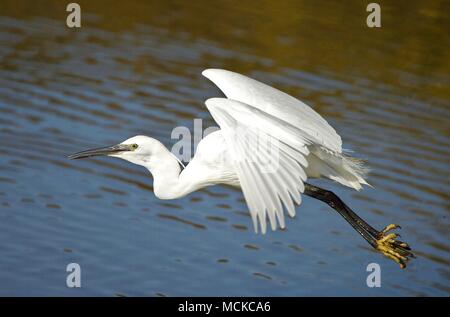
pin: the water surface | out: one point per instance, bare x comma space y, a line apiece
134, 68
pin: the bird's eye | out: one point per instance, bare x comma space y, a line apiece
134, 146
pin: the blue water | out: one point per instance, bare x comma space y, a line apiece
63, 91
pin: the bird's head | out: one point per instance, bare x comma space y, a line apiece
139, 150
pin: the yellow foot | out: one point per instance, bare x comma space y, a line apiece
390, 227
398, 251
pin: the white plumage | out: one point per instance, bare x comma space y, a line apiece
307, 145
268, 144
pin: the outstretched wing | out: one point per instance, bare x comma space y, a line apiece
268, 155
278, 104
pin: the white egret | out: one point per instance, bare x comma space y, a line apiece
260, 124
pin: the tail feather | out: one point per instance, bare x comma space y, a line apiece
342, 168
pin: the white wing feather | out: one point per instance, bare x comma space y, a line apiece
267, 184
254, 109
276, 103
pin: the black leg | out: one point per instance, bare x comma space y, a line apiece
337, 204
396, 250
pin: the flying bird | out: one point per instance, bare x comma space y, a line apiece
269, 143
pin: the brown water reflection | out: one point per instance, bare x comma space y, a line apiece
134, 67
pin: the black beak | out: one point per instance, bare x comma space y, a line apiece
101, 151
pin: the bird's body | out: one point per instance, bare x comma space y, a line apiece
211, 166
269, 144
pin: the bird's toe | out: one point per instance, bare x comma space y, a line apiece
398, 251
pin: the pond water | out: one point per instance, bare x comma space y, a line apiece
135, 68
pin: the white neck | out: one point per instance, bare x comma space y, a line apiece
165, 169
